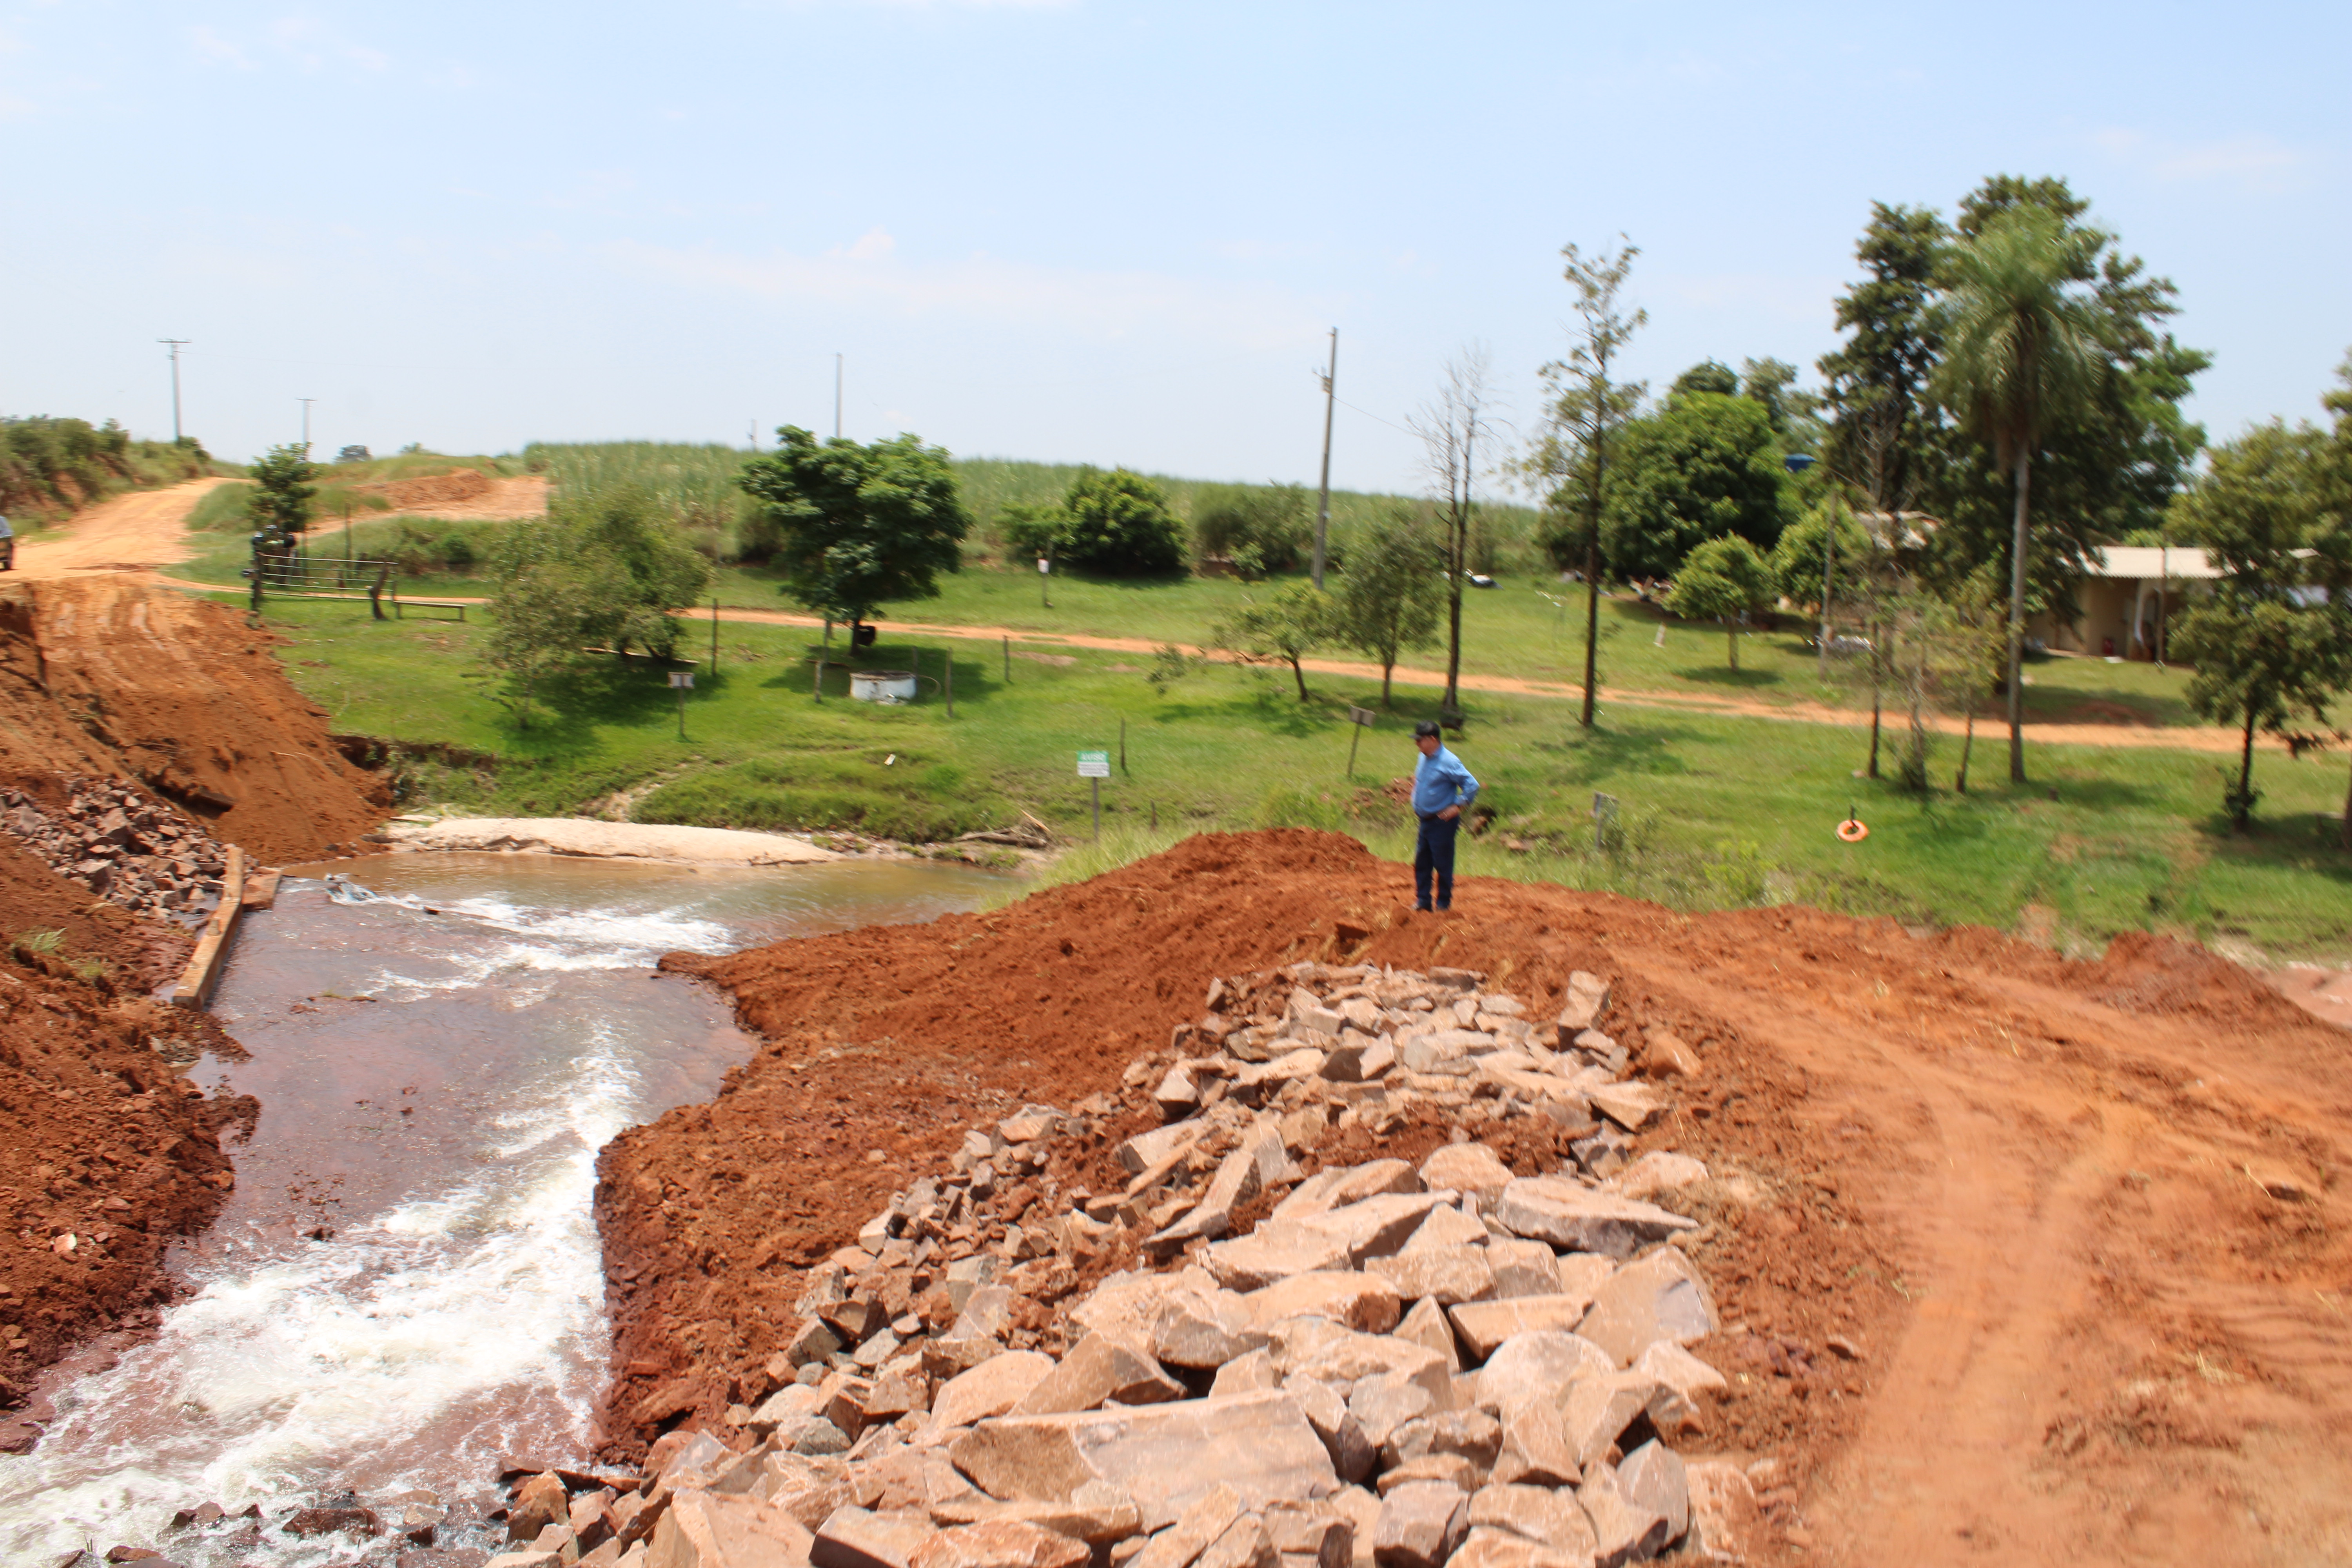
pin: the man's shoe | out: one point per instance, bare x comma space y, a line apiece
1421, 909
1444, 907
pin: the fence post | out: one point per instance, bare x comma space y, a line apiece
947, 660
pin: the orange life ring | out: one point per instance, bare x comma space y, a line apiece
1852, 831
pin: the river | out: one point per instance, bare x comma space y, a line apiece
406, 1285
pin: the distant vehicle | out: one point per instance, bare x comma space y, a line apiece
352, 455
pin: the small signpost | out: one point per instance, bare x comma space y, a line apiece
1094, 767
681, 681
1604, 817
1362, 720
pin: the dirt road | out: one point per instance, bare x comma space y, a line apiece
136, 532
2077, 1221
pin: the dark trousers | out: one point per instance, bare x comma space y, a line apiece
1435, 853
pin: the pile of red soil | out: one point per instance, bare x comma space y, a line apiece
432, 490
100, 1138
111, 679
2012, 1252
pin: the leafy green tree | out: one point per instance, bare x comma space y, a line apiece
2267, 656
1807, 553
2331, 541
1583, 410
1261, 528
282, 488
1041, 532
1704, 465
641, 565
1794, 415
861, 526
2023, 353
1722, 579
540, 606
1977, 649
1299, 619
1119, 523
1878, 380
1707, 375
1393, 592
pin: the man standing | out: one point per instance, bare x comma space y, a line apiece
1441, 789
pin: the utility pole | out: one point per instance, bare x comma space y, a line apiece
306, 402
177, 344
836, 397
1323, 496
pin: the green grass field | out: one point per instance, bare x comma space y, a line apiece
1714, 812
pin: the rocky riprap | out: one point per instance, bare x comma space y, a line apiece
1383, 1364
123, 845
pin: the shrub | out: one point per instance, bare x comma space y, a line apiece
1119, 523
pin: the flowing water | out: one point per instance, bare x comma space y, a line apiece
406, 1285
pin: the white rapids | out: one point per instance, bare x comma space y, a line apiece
393, 1301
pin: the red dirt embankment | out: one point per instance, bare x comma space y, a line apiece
2079, 1219
107, 677
99, 1139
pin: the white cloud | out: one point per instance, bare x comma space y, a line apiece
869, 275
2254, 162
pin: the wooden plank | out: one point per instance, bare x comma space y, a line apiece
261, 888
204, 969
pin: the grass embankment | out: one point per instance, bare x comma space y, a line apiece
52, 467
1715, 812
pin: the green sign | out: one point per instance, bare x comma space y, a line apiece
1093, 765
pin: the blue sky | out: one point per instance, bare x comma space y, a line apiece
1080, 230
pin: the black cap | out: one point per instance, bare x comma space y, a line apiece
1425, 729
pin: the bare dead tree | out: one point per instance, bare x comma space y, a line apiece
1456, 428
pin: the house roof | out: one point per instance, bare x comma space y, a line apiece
2178, 563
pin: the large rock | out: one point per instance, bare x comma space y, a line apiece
1343, 1358
1244, 1544
1598, 1409
1099, 1369
1420, 1524
1587, 999
1205, 1328
541, 1501
1235, 1183
702, 1529
1535, 1448
1275, 1250
1147, 1151
1523, 1268
1472, 1434
1381, 1404
1368, 1302
1661, 1299
1163, 1455
1536, 1514
1344, 1184
1726, 1524
1539, 1365
1205, 1517
1485, 1325
992, 1388
1624, 1530
1488, 1547
1632, 1106
1573, 1218
1652, 1476
1446, 1274
1127, 1306
1353, 1452
1000, 1544
1682, 1378
1446, 1227
1426, 1326
1466, 1168
854, 1538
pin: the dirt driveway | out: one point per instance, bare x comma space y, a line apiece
136, 532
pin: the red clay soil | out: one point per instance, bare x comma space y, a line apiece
100, 1138
111, 677
2075, 1221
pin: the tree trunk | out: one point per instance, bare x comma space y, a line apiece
1967, 743
1591, 620
1877, 671
1300, 676
2243, 811
1387, 670
1455, 531
1731, 629
2346, 832
2017, 623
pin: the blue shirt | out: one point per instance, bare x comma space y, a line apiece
1441, 781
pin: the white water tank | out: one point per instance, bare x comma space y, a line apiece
882, 685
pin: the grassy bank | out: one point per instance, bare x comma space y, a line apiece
1714, 812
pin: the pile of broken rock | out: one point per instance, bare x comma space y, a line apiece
121, 844
1397, 1366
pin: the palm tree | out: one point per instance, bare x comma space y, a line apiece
2022, 352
